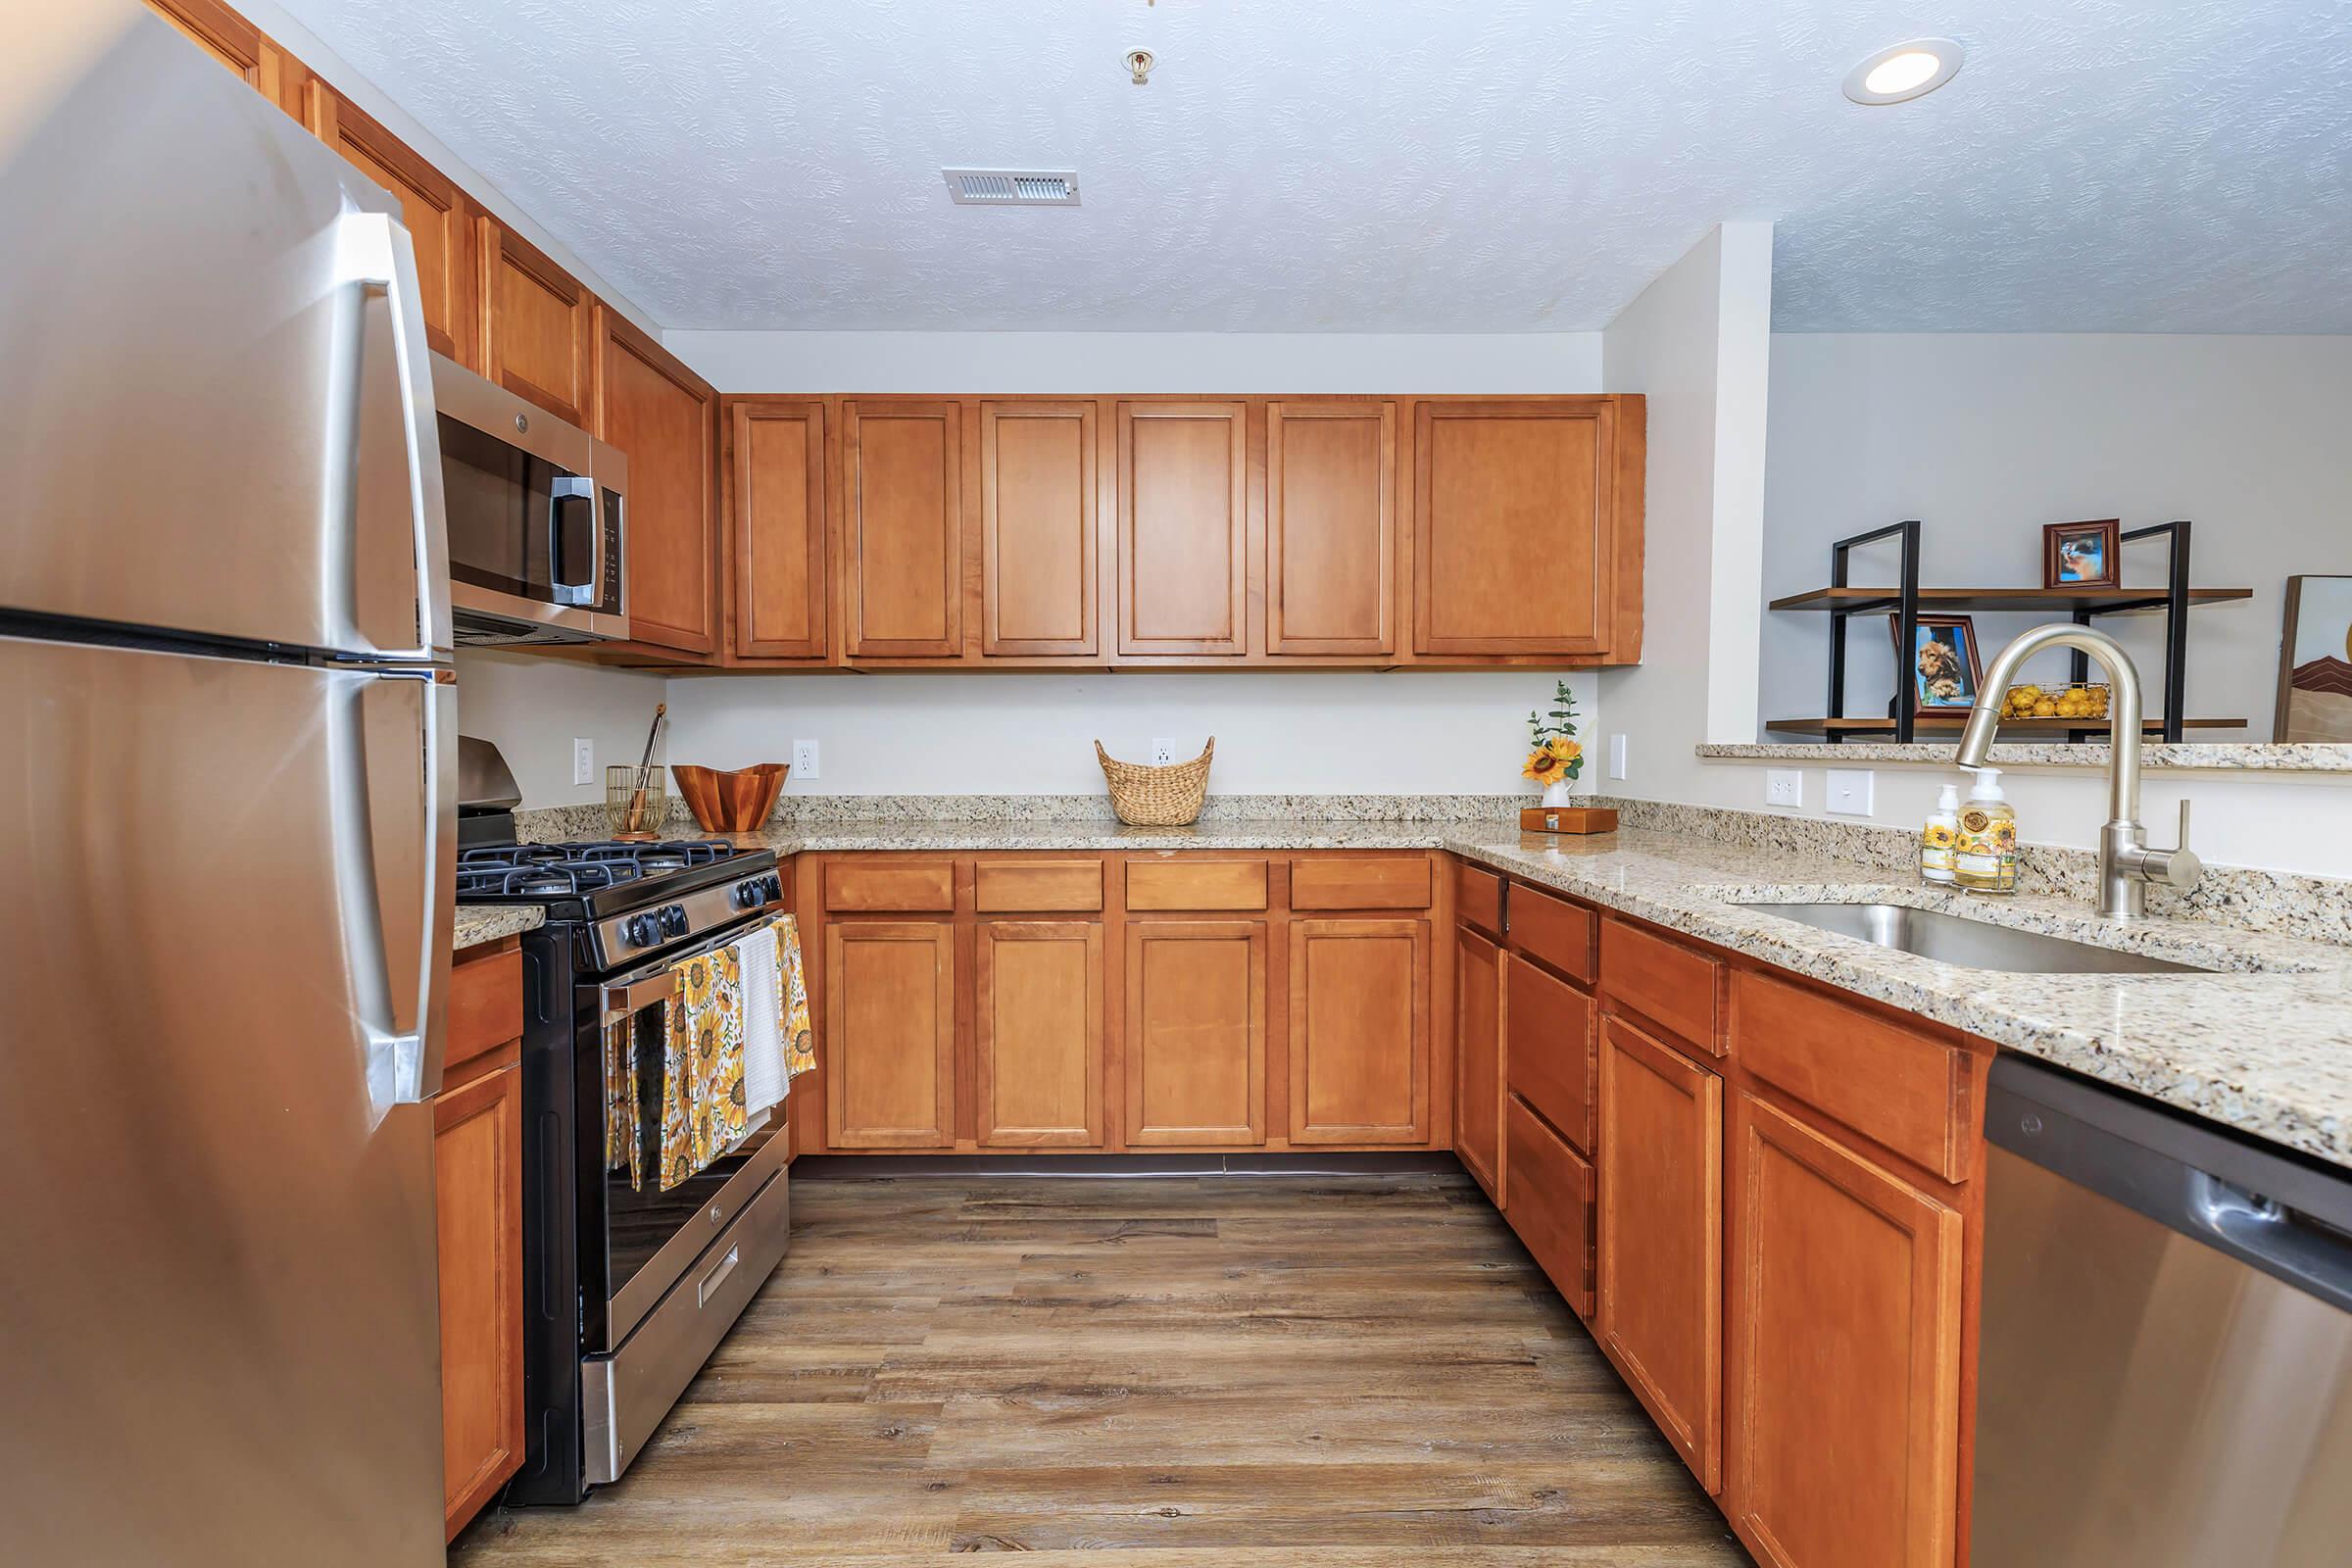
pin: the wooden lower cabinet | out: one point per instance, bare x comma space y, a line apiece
1552, 1203
477, 1197
1037, 1033
1845, 1389
1659, 1305
890, 1034
1478, 1059
1196, 1044
1359, 1030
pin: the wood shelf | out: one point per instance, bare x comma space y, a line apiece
2011, 729
2097, 600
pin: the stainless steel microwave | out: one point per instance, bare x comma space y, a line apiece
538, 518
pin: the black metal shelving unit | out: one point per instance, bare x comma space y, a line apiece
1844, 602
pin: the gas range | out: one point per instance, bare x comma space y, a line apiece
624, 900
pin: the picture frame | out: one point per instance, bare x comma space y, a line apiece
2082, 555
1957, 674
2315, 663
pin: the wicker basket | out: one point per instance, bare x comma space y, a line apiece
1158, 797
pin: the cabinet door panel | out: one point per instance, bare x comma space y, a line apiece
1196, 1053
439, 219
664, 419
240, 46
1513, 543
536, 329
779, 530
1552, 1203
1359, 1030
1037, 528
1846, 1353
901, 537
1183, 471
1660, 1300
1551, 1029
1039, 1028
890, 1034
477, 1188
1478, 1059
1331, 527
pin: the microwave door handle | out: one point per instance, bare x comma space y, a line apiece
377, 264
580, 488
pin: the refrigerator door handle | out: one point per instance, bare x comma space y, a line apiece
380, 272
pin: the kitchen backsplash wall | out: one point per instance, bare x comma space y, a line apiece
532, 707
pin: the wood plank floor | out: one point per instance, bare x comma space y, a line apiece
1180, 1372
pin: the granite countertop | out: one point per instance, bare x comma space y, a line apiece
2265, 1048
488, 922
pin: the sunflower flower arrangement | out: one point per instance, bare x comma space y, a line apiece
1554, 757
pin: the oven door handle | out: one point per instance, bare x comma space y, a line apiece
620, 1001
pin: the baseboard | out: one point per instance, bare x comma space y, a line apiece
1293, 1162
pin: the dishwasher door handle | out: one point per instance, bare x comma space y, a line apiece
2271, 1236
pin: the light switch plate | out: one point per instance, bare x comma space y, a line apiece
1851, 790
803, 758
584, 761
1784, 786
1616, 757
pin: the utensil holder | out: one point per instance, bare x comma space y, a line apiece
635, 801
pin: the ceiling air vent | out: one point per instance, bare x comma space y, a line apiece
1012, 187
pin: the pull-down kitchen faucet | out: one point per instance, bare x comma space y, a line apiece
2127, 864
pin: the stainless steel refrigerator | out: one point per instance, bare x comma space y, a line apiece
227, 741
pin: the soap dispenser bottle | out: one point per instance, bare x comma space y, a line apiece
1984, 852
1938, 838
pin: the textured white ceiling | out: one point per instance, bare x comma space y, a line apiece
1403, 165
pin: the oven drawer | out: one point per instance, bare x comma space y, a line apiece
626, 1394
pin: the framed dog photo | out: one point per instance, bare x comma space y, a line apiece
1945, 669
2082, 555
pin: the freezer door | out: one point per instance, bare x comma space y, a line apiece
227, 881
212, 354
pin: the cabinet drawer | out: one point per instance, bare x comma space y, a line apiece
485, 1008
1195, 884
926, 888
1551, 1052
1665, 982
1478, 898
1551, 1205
1398, 884
1054, 886
1557, 932
1896, 1085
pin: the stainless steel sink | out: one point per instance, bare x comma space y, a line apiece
1972, 944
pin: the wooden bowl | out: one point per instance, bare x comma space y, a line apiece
730, 801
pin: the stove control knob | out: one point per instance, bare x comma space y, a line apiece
673, 920
749, 894
773, 886
640, 931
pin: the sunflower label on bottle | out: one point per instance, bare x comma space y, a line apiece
1984, 850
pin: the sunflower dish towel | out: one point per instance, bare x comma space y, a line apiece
703, 1111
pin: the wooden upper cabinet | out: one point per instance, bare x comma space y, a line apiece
1037, 528
1331, 527
1196, 1047
1660, 1301
537, 326
1359, 1030
1515, 528
1037, 1033
242, 47
439, 219
890, 1034
1844, 1354
1183, 528
664, 419
777, 529
902, 528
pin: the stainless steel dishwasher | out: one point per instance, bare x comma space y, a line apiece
2166, 1367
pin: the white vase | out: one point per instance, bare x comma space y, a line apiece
1557, 793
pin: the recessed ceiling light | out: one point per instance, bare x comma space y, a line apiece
1905, 71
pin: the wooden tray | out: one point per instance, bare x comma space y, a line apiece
1568, 819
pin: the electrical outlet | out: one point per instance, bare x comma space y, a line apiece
1163, 752
1616, 757
1784, 786
803, 758
583, 762
1850, 790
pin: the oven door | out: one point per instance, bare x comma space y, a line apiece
636, 1240
535, 518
